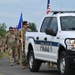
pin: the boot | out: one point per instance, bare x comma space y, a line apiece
11, 64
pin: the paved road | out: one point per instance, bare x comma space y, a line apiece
6, 69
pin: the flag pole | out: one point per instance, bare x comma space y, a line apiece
48, 7
22, 37
22, 32
20, 27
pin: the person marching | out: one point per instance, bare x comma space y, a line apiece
21, 35
10, 41
1, 46
16, 52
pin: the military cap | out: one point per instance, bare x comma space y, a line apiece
25, 23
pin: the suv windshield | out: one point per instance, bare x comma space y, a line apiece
67, 23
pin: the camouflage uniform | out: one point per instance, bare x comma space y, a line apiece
29, 30
22, 32
51, 65
16, 52
1, 47
11, 40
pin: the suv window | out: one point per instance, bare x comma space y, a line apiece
45, 24
67, 23
53, 24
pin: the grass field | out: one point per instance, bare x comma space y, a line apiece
5, 55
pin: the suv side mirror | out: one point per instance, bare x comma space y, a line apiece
50, 32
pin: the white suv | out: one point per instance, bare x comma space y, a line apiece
54, 42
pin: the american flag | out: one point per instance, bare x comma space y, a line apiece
48, 7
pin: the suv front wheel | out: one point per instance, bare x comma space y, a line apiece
64, 65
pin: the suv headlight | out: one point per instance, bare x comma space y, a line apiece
70, 44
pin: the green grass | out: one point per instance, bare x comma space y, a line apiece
1, 74
5, 55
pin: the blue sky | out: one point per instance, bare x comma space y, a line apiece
33, 10
10, 10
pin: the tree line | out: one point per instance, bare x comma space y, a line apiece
3, 27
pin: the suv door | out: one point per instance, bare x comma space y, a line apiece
52, 39
48, 44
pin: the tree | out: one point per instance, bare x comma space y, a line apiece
2, 29
33, 26
3, 26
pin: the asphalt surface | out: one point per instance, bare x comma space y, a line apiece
6, 69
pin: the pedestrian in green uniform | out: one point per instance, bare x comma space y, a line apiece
16, 52
1, 46
11, 43
22, 37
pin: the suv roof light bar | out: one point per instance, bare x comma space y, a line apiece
55, 12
